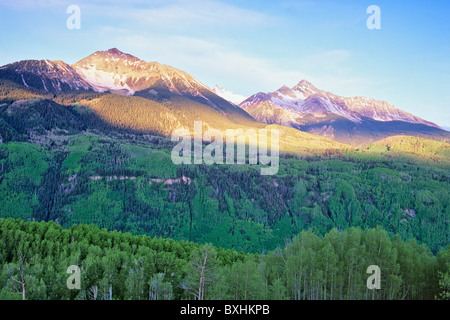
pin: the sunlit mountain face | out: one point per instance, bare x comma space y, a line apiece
353, 120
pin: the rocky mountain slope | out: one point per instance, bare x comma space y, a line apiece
354, 120
112, 71
46, 75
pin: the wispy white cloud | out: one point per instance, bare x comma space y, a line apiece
180, 15
333, 70
171, 14
33, 4
212, 62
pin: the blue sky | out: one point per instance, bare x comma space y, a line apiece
251, 46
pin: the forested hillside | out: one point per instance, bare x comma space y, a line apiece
121, 266
407, 146
132, 186
33, 112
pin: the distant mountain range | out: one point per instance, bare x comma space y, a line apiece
114, 90
182, 98
353, 120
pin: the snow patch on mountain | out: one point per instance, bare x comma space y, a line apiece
228, 95
23, 80
103, 81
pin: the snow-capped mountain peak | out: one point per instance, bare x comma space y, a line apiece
228, 95
307, 101
118, 72
110, 70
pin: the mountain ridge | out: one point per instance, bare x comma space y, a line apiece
352, 108
355, 121
307, 108
113, 71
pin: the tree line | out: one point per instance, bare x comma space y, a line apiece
35, 256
